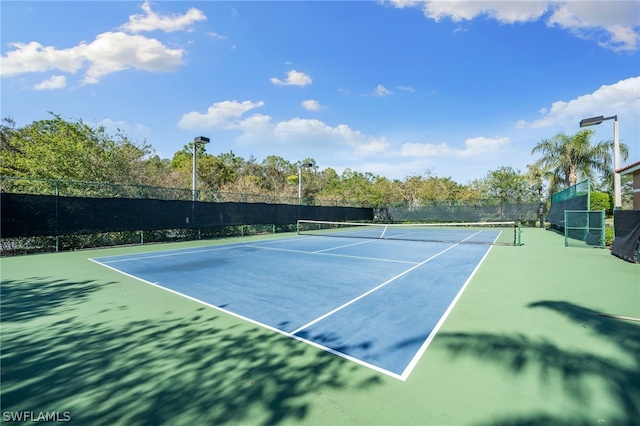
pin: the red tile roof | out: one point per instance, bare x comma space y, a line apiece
630, 168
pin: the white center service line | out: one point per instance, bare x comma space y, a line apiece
346, 245
352, 301
334, 255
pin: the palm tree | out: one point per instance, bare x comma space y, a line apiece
567, 158
535, 176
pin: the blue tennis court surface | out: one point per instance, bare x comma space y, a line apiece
375, 302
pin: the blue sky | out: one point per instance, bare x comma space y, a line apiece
395, 88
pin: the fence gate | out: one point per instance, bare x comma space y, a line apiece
584, 228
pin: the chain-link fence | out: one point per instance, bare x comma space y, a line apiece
41, 215
66, 188
577, 190
113, 202
575, 197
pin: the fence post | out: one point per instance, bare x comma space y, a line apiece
603, 227
57, 195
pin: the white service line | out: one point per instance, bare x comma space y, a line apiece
172, 253
414, 361
352, 301
335, 255
346, 245
182, 252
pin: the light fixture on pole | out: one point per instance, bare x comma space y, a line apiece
307, 165
198, 140
617, 183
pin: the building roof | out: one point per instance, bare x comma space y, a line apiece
629, 169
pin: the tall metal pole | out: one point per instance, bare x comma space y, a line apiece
198, 140
299, 185
194, 185
307, 165
617, 183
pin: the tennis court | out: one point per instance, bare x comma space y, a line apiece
525, 342
377, 302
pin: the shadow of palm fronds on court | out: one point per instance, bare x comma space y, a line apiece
31, 298
198, 367
519, 353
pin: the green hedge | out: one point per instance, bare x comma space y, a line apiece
601, 201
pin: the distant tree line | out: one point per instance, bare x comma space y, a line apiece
60, 149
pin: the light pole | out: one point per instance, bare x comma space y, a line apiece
617, 184
307, 165
198, 140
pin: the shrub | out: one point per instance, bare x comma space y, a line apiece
608, 236
600, 201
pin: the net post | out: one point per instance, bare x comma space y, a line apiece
517, 234
566, 238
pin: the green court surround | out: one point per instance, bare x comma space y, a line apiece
523, 345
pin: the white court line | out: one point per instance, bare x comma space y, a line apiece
181, 252
258, 323
335, 255
414, 361
177, 253
346, 245
352, 301
292, 335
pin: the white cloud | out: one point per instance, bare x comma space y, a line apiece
109, 52
314, 137
312, 105
616, 21
406, 89
299, 126
473, 146
294, 78
373, 146
312, 132
254, 128
502, 11
55, 82
623, 96
216, 35
296, 135
34, 57
483, 145
220, 115
151, 21
381, 91
112, 52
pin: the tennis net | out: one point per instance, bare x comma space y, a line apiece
493, 233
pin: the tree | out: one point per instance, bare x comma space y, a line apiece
7, 133
509, 186
356, 187
275, 172
63, 150
416, 190
536, 176
565, 158
506, 186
